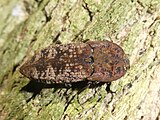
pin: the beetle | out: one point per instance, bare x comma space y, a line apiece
102, 61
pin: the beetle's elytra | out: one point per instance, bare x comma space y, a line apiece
102, 61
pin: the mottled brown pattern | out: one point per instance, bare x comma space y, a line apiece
102, 61
110, 61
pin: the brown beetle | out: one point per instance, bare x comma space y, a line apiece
102, 61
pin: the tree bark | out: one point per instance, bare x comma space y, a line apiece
29, 26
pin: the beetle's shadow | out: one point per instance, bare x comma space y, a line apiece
36, 87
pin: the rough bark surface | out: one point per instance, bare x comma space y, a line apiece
27, 26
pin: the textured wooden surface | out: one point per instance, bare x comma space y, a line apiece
28, 26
